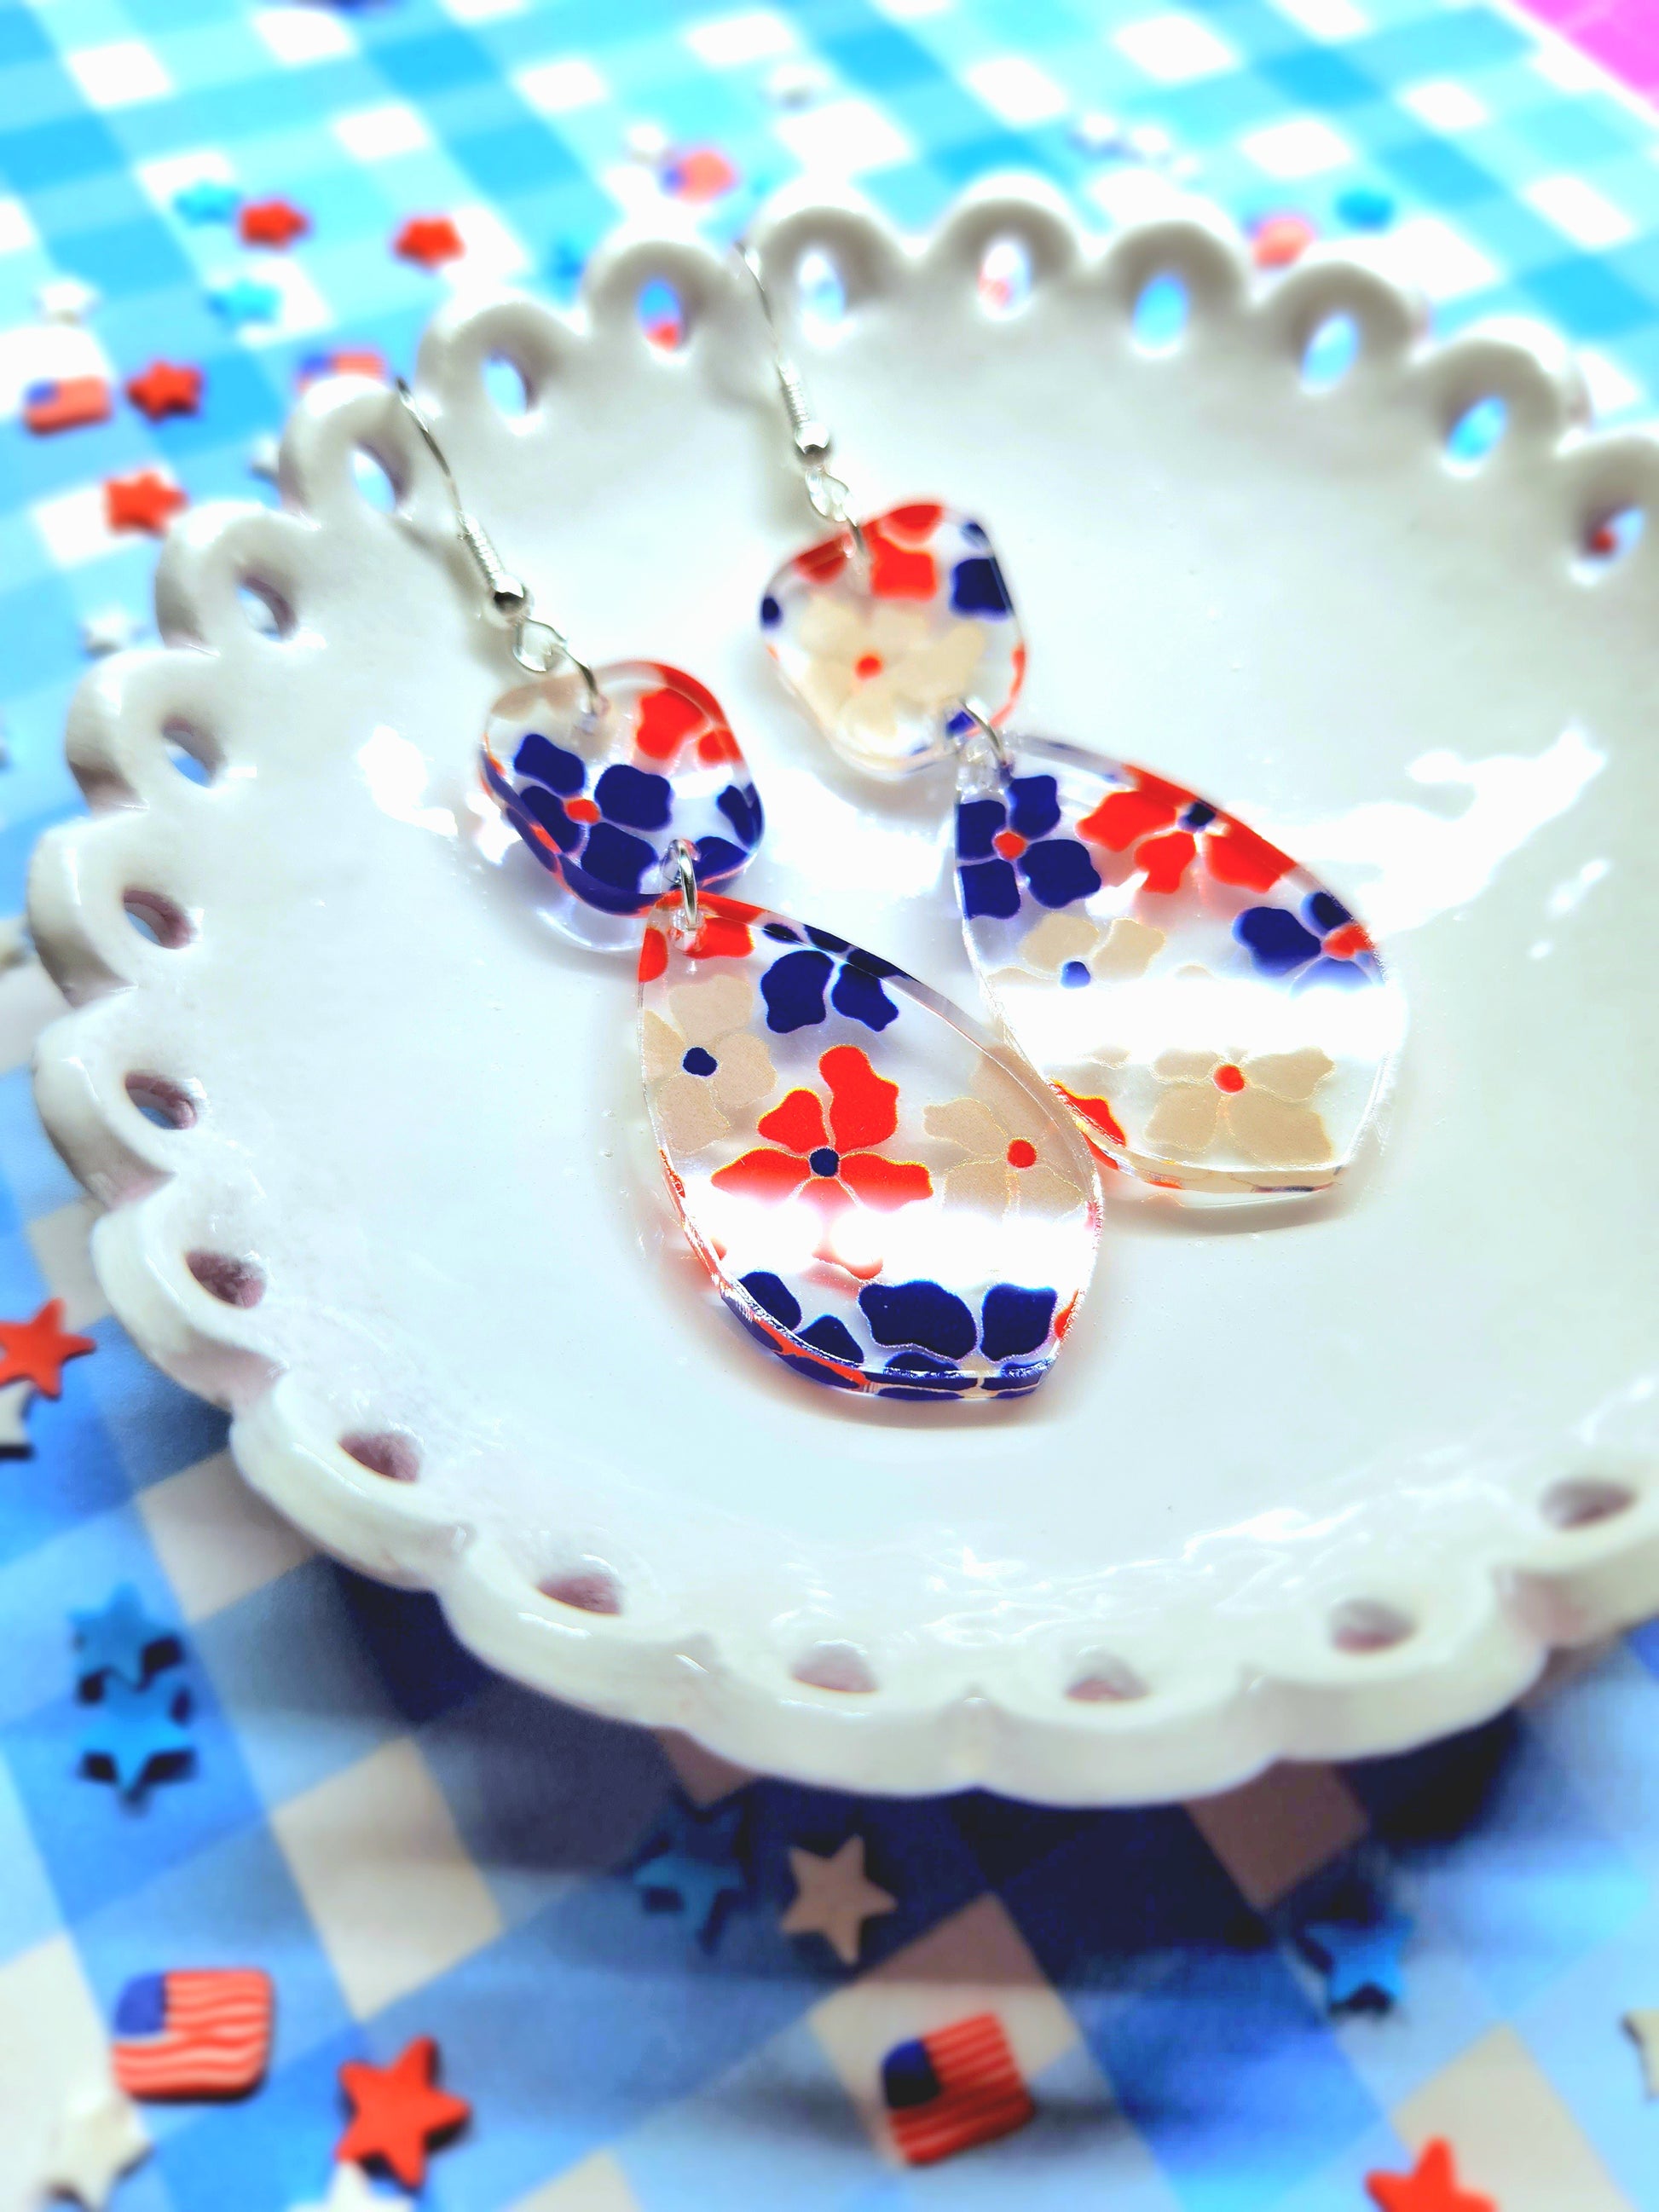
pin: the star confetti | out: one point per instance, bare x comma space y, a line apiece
1279, 239
98, 2138
397, 2111
694, 1865
1361, 1964
699, 174
241, 300
208, 200
1642, 2029
64, 300
144, 502
272, 222
1430, 2186
40, 1349
167, 387
116, 1639
14, 1420
834, 1898
129, 1731
111, 629
431, 239
351, 2191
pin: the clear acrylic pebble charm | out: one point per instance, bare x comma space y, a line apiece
600, 798
1219, 1021
883, 1202
880, 651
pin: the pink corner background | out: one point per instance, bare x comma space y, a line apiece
1623, 35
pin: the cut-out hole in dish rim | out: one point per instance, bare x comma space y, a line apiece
1425, 1389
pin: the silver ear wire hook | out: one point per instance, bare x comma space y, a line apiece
537, 647
810, 437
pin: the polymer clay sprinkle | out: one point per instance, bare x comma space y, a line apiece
1431, 2185
398, 2111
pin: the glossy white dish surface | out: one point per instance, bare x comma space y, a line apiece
1314, 1482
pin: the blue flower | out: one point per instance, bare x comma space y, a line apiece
607, 853
932, 1330
793, 987
1325, 946
995, 837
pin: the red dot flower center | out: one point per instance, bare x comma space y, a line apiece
1347, 943
581, 809
1008, 843
1229, 1078
1022, 1154
866, 665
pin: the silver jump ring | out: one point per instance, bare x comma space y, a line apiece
679, 865
979, 726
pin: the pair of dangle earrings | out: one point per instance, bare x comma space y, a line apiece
884, 1198
1216, 1021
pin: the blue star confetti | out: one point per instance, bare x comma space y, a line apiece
132, 1733
208, 200
1361, 1964
119, 1639
694, 1862
244, 300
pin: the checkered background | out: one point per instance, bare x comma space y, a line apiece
411, 1846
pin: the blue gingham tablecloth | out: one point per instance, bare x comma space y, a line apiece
411, 1846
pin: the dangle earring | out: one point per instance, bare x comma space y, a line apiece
842, 1146
1217, 1020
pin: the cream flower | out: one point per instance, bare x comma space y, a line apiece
1009, 1159
1259, 1104
1066, 941
707, 1067
870, 665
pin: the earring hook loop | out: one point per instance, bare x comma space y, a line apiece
537, 646
679, 865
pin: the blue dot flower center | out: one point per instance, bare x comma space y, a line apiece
1074, 975
824, 1160
699, 1061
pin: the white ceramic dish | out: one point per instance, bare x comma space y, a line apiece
1315, 1484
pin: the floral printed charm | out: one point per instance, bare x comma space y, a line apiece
881, 650
1218, 1022
600, 798
882, 1201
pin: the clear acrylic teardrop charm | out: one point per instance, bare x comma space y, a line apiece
598, 796
884, 1201
880, 650
1219, 1023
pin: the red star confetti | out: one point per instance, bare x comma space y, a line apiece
1280, 239
701, 172
167, 387
397, 2112
144, 502
430, 240
39, 1350
1432, 2186
272, 222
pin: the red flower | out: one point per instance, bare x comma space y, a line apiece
901, 565
723, 933
1169, 828
828, 1162
681, 709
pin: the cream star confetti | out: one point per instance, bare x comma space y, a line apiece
14, 1427
834, 1898
351, 2191
111, 630
64, 300
97, 2138
1642, 2029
